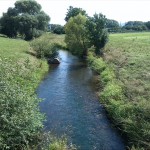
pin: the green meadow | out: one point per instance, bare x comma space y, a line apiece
129, 54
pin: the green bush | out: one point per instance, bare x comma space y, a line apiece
20, 118
107, 75
97, 64
111, 91
44, 47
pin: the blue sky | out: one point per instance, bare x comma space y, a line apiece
120, 10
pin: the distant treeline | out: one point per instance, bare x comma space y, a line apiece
111, 25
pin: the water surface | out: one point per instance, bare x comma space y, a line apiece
72, 107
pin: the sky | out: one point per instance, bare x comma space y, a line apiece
120, 10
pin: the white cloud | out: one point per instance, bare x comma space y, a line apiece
120, 10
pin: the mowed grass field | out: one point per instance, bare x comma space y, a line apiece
129, 55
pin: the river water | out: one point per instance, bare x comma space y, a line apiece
72, 107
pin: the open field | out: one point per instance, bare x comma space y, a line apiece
130, 56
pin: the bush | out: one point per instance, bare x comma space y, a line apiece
97, 64
107, 75
111, 91
44, 47
20, 118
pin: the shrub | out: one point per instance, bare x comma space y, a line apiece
97, 64
111, 91
107, 75
43, 47
20, 118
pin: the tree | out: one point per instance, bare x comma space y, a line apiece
57, 29
26, 18
112, 25
96, 32
135, 25
8, 23
72, 12
147, 24
75, 37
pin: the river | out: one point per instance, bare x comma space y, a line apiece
72, 106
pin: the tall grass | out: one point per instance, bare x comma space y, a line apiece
126, 85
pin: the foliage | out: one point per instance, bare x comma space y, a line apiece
96, 32
76, 38
47, 46
135, 25
112, 25
57, 29
43, 47
26, 19
147, 24
74, 11
97, 64
52, 142
20, 74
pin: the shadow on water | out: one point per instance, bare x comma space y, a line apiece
72, 107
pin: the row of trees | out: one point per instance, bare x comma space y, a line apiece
83, 31
25, 19
111, 25
137, 25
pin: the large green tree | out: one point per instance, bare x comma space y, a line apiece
147, 24
76, 38
57, 29
112, 25
26, 18
96, 32
74, 11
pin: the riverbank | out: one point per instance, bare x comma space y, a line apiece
21, 121
124, 76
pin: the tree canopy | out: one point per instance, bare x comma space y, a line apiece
112, 25
74, 11
96, 32
147, 24
83, 32
135, 25
76, 38
57, 28
26, 19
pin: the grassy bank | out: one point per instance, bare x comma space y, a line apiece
125, 77
20, 118
20, 74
